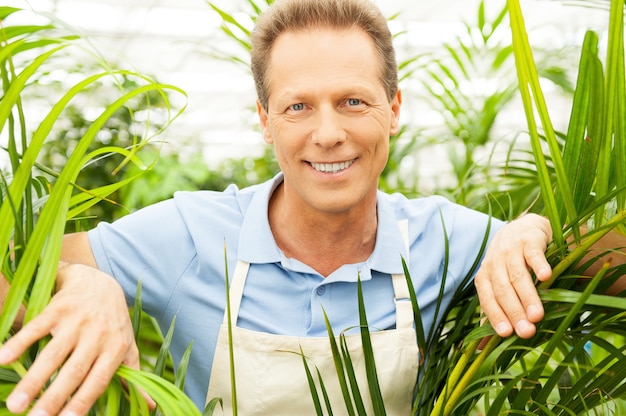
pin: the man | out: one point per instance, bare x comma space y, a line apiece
328, 101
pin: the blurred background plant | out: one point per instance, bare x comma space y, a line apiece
468, 82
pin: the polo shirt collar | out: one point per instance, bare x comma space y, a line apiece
390, 245
257, 243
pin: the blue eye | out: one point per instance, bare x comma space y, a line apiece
297, 107
354, 101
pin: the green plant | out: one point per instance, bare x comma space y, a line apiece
175, 173
568, 367
468, 82
117, 132
34, 211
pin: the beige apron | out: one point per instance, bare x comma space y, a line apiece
271, 379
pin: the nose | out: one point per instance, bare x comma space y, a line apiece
329, 130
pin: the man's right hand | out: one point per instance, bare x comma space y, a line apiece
92, 336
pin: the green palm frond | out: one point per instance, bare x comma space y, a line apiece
33, 212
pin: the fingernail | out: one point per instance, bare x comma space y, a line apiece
533, 311
68, 413
502, 328
38, 412
523, 327
18, 402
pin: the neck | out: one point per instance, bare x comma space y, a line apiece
324, 241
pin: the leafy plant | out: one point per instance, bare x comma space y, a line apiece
119, 131
568, 367
34, 211
468, 82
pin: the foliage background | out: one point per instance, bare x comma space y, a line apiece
471, 147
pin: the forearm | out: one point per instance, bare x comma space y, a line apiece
611, 249
4, 291
77, 250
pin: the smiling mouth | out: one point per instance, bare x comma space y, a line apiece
332, 167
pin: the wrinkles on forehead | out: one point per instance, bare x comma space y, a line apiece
345, 73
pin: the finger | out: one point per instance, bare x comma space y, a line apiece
47, 362
509, 285
68, 379
538, 263
526, 292
95, 383
30, 333
536, 255
518, 298
488, 302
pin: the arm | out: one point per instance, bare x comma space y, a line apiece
610, 248
91, 336
505, 288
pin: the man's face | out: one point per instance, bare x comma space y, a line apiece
328, 117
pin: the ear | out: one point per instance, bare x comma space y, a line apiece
396, 103
263, 120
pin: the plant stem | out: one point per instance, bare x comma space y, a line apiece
460, 377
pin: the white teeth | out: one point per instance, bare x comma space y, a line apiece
332, 167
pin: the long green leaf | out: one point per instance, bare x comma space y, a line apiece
547, 352
171, 401
581, 150
615, 54
351, 375
161, 362
368, 355
312, 387
231, 352
183, 365
59, 200
339, 367
529, 88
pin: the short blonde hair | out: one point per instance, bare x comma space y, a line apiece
295, 15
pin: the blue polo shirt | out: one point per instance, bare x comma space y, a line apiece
177, 248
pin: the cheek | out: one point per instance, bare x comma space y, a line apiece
383, 153
284, 142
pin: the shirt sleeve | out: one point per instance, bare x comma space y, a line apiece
152, 246
469, 234
446, 241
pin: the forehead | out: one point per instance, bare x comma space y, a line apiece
319, 55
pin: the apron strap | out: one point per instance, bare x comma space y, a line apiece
402, 298
236, 289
